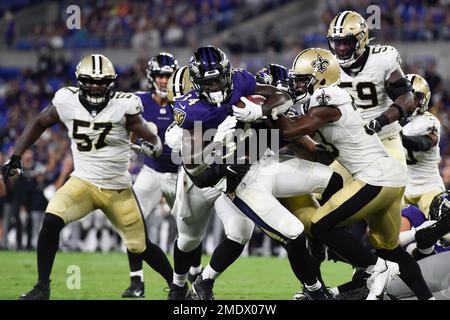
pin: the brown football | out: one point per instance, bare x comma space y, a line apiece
256, 98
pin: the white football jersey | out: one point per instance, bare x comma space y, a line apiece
363, 155
423, 166
99, 142
367, 88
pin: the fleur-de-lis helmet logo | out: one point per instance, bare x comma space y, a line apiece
323, 98
320, 64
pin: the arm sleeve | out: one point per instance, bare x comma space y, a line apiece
250, 83
417, 143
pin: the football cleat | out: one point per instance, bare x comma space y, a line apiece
135, 290
379, 280
300, 295
322, 294
355, 294
203, 288
428, 236
41, 291
191, 277
179, 293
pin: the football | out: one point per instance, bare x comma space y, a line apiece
256, 98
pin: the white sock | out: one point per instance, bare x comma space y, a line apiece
406, 237
210, 273
139, 273
411, 247
314, 287
378, 266
432, 298
426, 250
195, 270
180, 279
334, 291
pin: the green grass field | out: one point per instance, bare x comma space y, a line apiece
105, 276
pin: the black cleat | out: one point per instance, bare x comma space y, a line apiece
179, 293
355, 294
428, 236
135, 290
191, 277
321, 294
203, 288
41, 291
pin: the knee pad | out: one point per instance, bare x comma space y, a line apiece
239, 229
135, 246
187, 244
321, 175
291, 230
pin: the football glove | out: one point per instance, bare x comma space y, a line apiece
249, 113
224, 136
11, 167
375, 125
174, 137
145, 148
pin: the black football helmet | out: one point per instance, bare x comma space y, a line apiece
277, 76
210, 73
162, 64
440, 210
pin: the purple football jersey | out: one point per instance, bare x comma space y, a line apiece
162, 117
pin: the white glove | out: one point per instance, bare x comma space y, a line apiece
249, 113
224, 135
145, 148
174, 137
225, 130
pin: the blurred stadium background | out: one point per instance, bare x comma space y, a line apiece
38, 55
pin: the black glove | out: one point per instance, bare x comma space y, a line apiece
11, 167
375, 125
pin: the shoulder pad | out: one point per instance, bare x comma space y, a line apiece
329, 96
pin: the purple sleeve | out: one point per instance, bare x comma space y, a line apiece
247, 83
414, 215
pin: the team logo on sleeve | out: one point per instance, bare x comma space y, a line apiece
323, 98
139, 108
179, 116
320, 64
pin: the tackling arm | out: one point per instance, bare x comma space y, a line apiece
308, 124
137, 125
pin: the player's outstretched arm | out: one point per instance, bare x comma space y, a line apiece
34, 129
308, 124
137, 125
